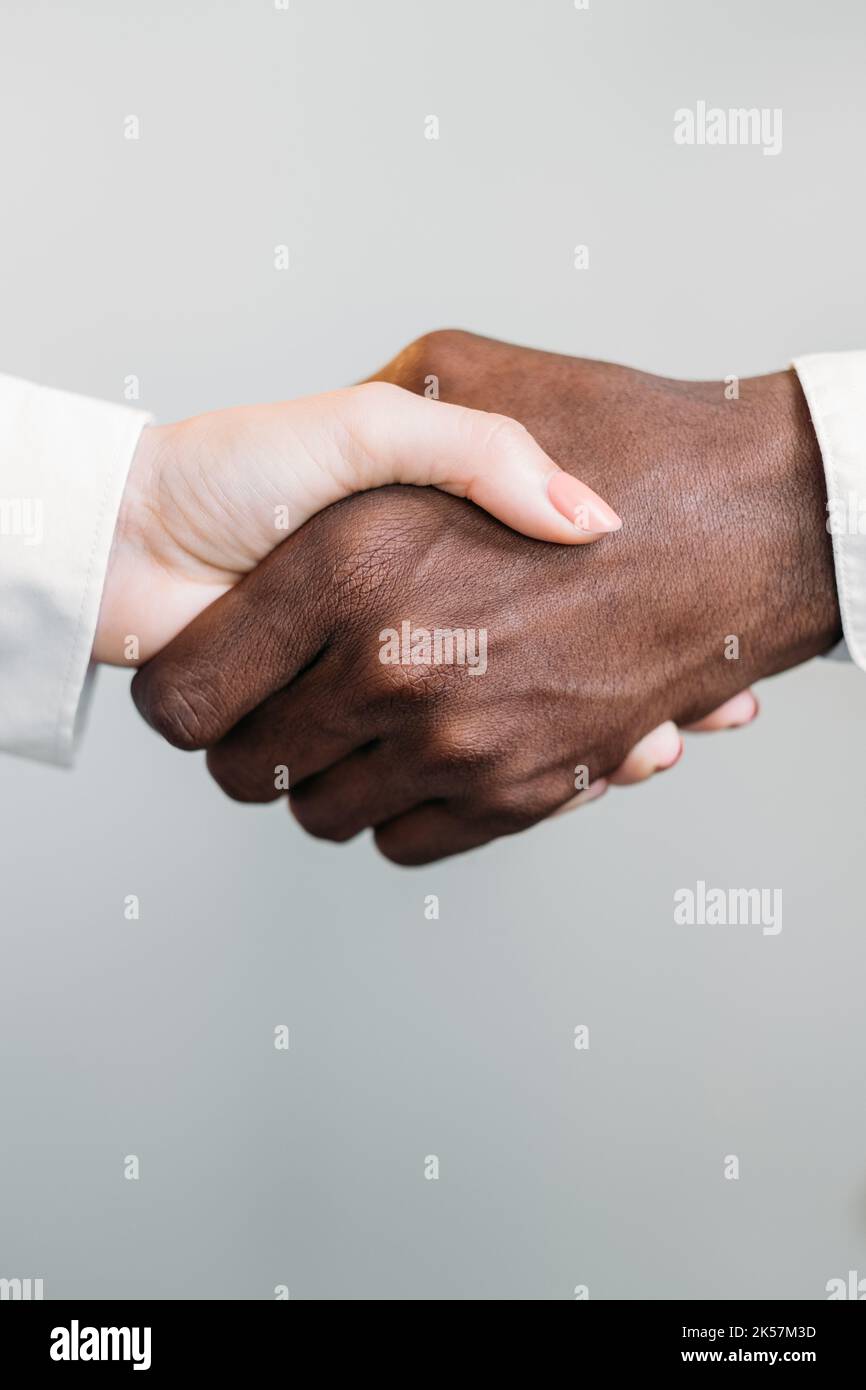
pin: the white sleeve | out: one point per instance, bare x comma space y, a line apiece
63, 467
834, 384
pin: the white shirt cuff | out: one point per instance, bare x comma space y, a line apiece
834, 384
64, 461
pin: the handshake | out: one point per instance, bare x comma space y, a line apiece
396, 658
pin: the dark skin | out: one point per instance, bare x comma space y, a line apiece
589, 648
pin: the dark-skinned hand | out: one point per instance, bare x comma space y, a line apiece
721, 575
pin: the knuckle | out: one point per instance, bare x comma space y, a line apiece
376, 395
503, 435
394, 685
509, 820
393, 844
319, 817
184, 715
440, 346
449, 745
438, 338
512, 811
435, 353
240, 778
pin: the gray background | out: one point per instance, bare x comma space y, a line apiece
411, 1037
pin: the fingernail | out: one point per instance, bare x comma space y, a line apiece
673, 747
743, 708
587, 512
672, 762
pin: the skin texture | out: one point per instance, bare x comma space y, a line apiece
723, 506
208, 498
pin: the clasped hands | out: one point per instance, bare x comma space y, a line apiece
263, 554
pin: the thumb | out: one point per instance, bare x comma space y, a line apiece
396, 436
224, 477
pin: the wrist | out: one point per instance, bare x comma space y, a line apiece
800, 608
122, 622
726, 524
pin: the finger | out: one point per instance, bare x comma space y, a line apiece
264, 761
429, 832
656, 752
303, 729
249, 643
369, 787
591, 793
395, 436
733, 714
663, 747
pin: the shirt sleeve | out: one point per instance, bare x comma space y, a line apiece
834, 384
64, 461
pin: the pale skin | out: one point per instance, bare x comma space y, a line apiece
208, 498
